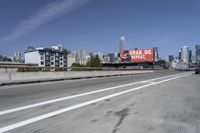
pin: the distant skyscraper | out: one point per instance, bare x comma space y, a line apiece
81, 57
106, 59
71, 58
122, 43
179, 54
156, 56
190, 55
100, 55
185, 54
112, 57
197, 47
171, 58
18, 57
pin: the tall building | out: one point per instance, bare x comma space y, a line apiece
106, 59
71, 58
190, 56
193, 58
18, 57
122, 43
81, 57
112, 57
94, 54
179, 54
185, 54
47, 57
156, 56
197, 47
171, 58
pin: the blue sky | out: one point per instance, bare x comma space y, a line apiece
97, 25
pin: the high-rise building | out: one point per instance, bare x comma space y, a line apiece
18, 57
179, 54
185, 54
190, 56
197, 47
171, 58
81, 57
112, 57
193, 58
94, 54
106, 59
122, 43
156, 56
71, 58
100, 55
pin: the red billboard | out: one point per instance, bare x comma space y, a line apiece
137, 55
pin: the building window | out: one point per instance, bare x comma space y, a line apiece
41, 53
52, 58
47, 58
42, 57
47, 53
42, 62
61, 63
56, 54
61, 59
47, 63
57, 59
57, 64
52, 63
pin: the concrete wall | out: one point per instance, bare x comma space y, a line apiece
6, 70
39, 76
33, 57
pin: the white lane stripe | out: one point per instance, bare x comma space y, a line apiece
4, 112
48, 115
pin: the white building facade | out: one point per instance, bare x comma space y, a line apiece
71, 58
81, 57
185, 53
47, 57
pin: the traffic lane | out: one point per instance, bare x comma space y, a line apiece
168, 107
25, 111
91, 92
175, 108
14, 117
115, 101
13, 96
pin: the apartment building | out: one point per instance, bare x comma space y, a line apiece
56, 56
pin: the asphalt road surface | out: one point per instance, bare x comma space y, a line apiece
167, 102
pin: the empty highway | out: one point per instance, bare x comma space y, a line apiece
162, 102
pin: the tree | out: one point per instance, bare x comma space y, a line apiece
94, 62
77, 65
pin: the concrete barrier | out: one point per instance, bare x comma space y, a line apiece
23, 77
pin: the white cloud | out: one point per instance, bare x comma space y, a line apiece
44, 15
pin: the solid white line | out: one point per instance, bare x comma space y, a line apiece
48, 115
4, 112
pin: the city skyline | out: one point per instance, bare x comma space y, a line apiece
97, 25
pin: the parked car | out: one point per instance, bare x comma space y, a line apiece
197, 69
